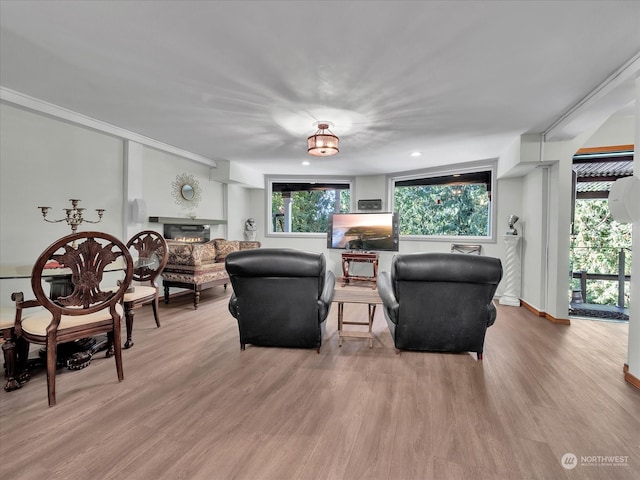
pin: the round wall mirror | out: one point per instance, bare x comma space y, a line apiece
187, 192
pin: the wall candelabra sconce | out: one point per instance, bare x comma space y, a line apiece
74, 215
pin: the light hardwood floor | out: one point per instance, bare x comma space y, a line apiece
193, 406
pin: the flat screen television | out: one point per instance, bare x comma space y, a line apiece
363, 231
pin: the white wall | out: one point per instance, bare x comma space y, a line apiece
239, 201
534, 244
45, 162
617, 130
160, 172
371, 187
633, 355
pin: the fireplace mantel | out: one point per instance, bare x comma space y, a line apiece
185, 221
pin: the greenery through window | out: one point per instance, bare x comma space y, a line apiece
596, 248
305, 206
450, 205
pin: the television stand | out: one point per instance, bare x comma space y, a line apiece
359, 257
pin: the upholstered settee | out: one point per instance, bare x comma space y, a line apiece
197, 266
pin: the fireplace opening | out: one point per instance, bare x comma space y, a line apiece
187, 233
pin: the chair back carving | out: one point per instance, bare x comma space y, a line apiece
153, 254
86, 255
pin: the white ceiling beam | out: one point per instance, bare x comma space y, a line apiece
618, 87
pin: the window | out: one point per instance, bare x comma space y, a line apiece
446, 204
303, 206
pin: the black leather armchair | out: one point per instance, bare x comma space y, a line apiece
281, 297
440, 302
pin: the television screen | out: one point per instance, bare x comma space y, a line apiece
363, 231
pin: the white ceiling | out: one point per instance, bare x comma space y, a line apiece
246, 80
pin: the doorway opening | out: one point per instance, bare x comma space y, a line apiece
600, 254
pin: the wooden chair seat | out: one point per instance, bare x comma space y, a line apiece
141, 293
37, 323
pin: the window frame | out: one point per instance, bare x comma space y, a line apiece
490, 166
271, 179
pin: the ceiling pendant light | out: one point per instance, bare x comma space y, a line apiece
323, 143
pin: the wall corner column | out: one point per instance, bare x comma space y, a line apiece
632, 367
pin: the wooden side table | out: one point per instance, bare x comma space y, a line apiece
351, 257
356, 295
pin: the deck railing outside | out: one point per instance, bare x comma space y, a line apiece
618, 277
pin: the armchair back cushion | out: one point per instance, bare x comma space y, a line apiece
281, 297
440, 301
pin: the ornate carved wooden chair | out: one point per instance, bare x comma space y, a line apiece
150, 252
88, 310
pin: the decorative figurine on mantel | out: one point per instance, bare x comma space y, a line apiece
250, 229
512, 221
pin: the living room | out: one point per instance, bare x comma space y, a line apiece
50, 153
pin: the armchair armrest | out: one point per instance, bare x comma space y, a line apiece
21, 304
324, 303
233, 305
389, 301
492, 314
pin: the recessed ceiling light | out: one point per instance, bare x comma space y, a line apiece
416, 154
305, 163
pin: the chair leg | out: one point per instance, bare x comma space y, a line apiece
155, 305
166, 294
51, 368
22, 358
10, 364
117, 350
128, 315
479, 354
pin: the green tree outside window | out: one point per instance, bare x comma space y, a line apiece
595, 247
